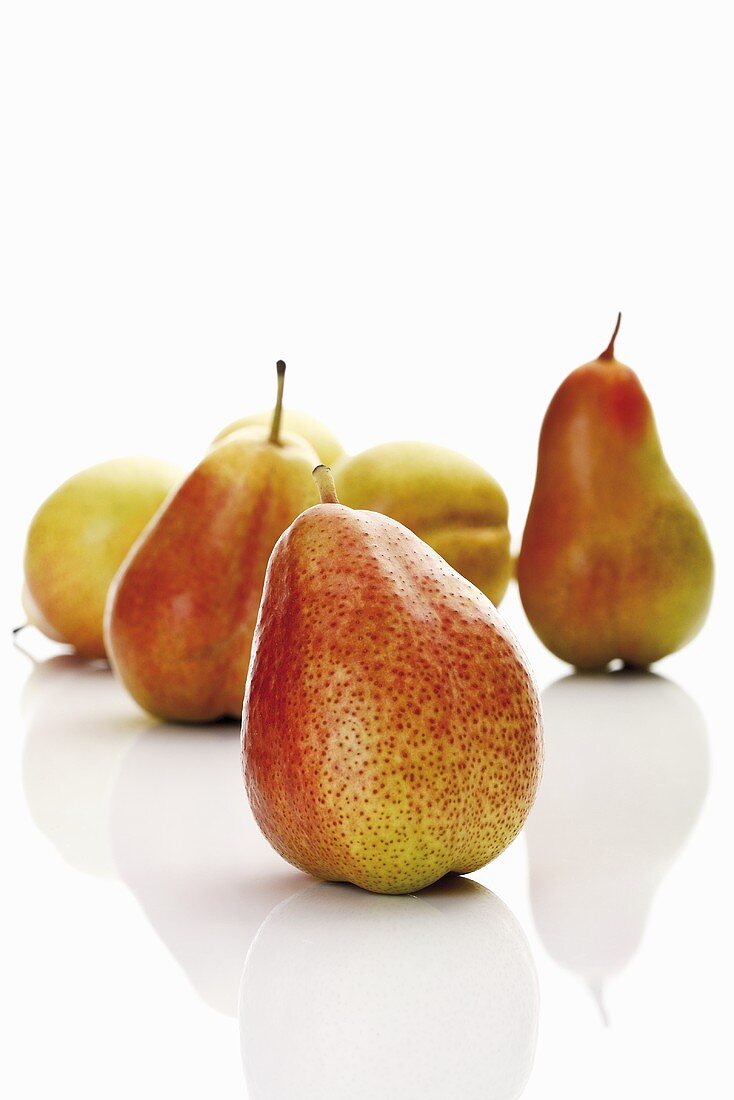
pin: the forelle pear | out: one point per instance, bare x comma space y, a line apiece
182, 610
391, 726
615, 561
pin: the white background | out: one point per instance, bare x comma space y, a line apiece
433, 213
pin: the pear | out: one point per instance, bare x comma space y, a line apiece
35, 617
391, 726
77, 541
414, 997
326, 445
626, 775
446, 499
182, 610
615, 562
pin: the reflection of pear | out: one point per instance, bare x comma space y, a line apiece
79, 724
625, 776
349, 994
187, 847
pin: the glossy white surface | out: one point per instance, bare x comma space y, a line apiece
139, 884
433, 212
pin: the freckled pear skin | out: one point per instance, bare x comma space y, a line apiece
182, 611
391, 728
443, 497
615, 561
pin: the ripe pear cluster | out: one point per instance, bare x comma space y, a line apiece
390, 722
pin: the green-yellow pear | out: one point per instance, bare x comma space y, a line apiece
77, 541
615, 562
391, 727
446, 499
182, 610
326, 445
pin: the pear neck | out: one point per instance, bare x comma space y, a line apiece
325, 484
608, 352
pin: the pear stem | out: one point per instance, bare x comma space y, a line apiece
274, 436
325, 483
609, 351
17, 629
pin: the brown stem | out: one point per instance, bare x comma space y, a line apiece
325, 482
609, 352
274, 436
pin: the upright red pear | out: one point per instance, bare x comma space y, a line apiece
615, 562
182, 610
391, 727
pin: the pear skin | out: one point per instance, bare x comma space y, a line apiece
615, 561
391, 726
77, 541
450, 502
324, 442
35, 617
182, 610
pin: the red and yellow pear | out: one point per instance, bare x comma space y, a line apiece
615, 561
181, 613
391, 727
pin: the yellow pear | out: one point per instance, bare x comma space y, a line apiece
446, 499
327, 446
77, 541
